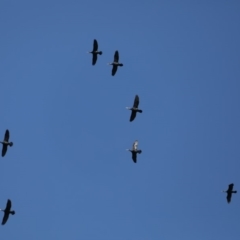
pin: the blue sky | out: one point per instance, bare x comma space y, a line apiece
68, 174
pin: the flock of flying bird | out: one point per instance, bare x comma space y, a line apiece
5, 143
134, 108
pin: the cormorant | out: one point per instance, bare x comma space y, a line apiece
134, 151
7, 211
6, 143
134, 109
229, 192
95, 52
115, 63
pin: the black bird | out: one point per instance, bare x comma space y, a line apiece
115, 63
134, 151
6, 143
134, 109
95, 52
7, 211
229, 192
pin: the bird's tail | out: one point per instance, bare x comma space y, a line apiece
139, 151
234, 191
120, 64
100, 53
12, 212
11, 144
139, 110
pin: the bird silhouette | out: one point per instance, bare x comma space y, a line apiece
134, 109
6, 143
7, 211
115, 63
229, 192
134, 151
95, 52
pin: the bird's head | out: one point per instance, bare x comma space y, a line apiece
11, 144
128, 108
12, 212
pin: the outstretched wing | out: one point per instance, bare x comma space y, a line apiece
136, 102
8, 206
229, 196
116, 56
94, 59
133, 115
230, 187
4, 149
134, 157
135, 144
95, 45
6, 212
7, 135
114, 70
5, 217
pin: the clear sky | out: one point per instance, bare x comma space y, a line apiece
68, 174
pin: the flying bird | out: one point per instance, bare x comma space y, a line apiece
6, 143
95, 52
134, 109
7, 211
115, 63
229, 192
134, 151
